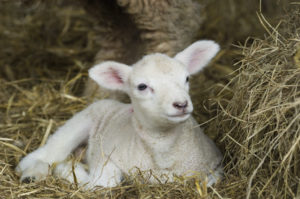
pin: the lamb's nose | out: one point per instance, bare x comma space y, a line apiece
180, 105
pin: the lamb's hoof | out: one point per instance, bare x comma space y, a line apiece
28, 179
33, 172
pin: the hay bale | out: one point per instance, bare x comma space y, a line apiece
261, 122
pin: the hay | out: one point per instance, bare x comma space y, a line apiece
253, 114
261, 122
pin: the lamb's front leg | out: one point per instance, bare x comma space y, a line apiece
104, 175
102, 170
35, 166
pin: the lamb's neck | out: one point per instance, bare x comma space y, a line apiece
157, 140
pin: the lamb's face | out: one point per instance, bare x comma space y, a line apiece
159, 88
157, 84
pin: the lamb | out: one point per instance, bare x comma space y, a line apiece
155, 132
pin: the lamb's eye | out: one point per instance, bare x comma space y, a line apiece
142, 87
187, 79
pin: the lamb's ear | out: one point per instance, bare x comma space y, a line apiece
198, 55
111, 75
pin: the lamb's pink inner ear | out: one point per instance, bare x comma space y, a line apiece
114, 76
110, 75
198, 55
195, 61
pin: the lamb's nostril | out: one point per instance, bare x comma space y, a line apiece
180, 105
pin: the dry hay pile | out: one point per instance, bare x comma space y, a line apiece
47, 48
260, 124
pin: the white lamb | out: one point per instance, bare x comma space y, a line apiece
155, 132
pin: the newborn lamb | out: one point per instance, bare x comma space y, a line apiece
155, 132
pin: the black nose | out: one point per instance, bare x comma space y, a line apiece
180, 105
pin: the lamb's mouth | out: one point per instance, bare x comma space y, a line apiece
181, 115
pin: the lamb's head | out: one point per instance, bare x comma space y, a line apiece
158, 85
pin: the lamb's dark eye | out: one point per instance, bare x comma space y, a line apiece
187, 79
142, 87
